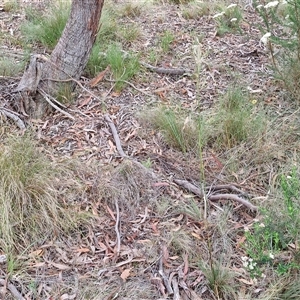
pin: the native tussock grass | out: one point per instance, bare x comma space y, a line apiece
32, 205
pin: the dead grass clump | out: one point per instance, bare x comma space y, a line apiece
131, 186
31, 210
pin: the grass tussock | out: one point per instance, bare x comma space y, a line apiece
32, 209
46, 28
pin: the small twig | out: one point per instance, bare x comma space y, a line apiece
12, 289
120, 149
234, 198
189, 186
164, 277
195, 190
129, 83
115, 135
167, 71
176, 289
117, 227
14, 117
54, 105
229, 187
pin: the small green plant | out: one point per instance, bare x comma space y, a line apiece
166, 40
281, 37
229, 19
11, 5
9, 67
123, 65
220, 279
129, 33
195, 9
29, 202
131, 10
65, 93
236, 120
279, 228
46, 28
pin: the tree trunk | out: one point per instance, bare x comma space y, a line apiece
69, 57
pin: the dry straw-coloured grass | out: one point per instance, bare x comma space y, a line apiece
32, 207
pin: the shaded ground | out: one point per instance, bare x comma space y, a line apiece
163, 235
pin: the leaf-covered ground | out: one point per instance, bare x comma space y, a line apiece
151, 237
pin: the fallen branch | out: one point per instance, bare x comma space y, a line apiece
167, 71
14, 117
195, 190
117, 227
164, 277
115, 135
46, 97
120, 149
12, 289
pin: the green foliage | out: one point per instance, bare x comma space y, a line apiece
46, 28
124, 66
9, 67
29, 202
236, 120
281, 37
179, 130
11, 5
166, 39
279, 228
229, 19
220, 279
195, 9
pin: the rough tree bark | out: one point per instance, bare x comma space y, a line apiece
67, 60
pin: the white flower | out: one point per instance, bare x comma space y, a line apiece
271, 256
259, 6
219, 15
262, 225
244, 258
265, 38
231, 5
272, 4
255, 220
233, 20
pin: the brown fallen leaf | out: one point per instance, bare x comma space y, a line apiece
99, 77
125, 274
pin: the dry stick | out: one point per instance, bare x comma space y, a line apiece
115, 135
14, 117
12, 289
176, 289
117, 227
120, 149
129, 83
166, 71
164, 277
192, 188
46, 97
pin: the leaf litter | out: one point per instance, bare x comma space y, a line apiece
160, 241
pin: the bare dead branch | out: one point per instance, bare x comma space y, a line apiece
115, 135
167, 71
195, 190
14, 117
12, 289
164, 277
117, 227
46, 97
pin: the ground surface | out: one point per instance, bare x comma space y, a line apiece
162, 239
